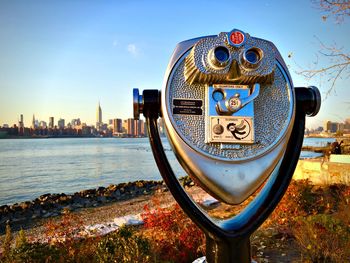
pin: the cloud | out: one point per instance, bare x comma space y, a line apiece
115, 43
133, 50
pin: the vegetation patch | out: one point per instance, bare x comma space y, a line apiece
311, 224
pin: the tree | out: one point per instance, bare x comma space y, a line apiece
339, 9
338, 60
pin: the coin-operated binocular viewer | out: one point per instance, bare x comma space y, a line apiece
235, 123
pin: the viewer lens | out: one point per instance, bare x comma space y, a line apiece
221, 54
253, 55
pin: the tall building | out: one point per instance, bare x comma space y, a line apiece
141, 128
131, 127
21, 125
43, 124
347, 124
117, 126
98, 117
330, 126
60, 123
125, 127
51, 122
135, 128
33, 122
75, 123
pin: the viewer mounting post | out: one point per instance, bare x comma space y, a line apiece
234, 121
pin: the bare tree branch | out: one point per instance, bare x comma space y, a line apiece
338, 59
338, 66
339, 9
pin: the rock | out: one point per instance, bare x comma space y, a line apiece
37, 213
77, 205
89, 192
100, 190
139, 184
48, 205
15, 208
27, 213
17, 219
65, 199
116, 194
101, 199
112, 188
44, 197
26, 205
65, 209
47, 214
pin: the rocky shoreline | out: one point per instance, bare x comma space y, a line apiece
50, 205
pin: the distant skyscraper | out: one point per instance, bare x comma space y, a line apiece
347, 124
51, 122
61, 123
75, 123
98, 117
117, 125
20, 122
125, 127
131, 127
43, 124
21, 125
141, 127
135, 128
33, 122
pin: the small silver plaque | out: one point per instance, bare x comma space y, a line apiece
231, 129
228, 120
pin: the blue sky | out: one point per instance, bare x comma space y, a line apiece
59, 58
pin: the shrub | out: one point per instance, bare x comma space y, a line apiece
304, 199
123, 246
323, 238
318, 218
21, 239
175, 238
6, 246
64, 234
63, 230
35, 252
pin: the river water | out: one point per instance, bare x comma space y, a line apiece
32, 167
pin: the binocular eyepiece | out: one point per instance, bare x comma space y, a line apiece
219, 57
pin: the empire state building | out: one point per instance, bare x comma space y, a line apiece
98, 117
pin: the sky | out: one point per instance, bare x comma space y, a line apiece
60, 58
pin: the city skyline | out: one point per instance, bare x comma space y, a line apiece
59, 58
54, 120
99, 120
28, 121
76, 128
